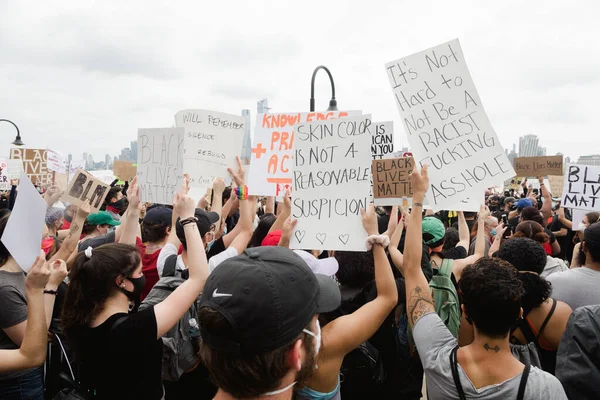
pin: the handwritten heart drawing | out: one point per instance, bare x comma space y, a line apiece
300, 235
321, 237
344, 238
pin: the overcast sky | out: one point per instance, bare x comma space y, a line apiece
84, 75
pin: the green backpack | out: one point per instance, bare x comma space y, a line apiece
445, 299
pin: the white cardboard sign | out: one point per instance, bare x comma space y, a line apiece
382, 140
160, 163
446, 124
23, 233
14, 168
56, 162
4, 179
273, 150
582, 187
332, 175
212, 141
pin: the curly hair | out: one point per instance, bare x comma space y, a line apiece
356, 269
532, 214
491, 292
527, 255
451, 239
532, 230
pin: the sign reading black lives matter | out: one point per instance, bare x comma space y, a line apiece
332, 180
446, 125
581, 188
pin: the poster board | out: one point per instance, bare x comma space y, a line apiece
539, 166
382, 140
124, 170
160, 163
446, 125
14, 168
56, 162
34, 164
581, 188
61, 180
84, 186
556, 184
4, 179
212, 141
273, 150
332, 176
391, 180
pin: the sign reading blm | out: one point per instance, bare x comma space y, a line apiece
446, 124
84, 186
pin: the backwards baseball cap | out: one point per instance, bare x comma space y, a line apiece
159, 216
521, 204
325, 266
268, 295
102, 218
433, 231
205, 220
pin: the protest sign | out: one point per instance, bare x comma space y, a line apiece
34, 164
332, 173
391, 181
85, 186
124, 170
556, 185
74, 166
22, 236
160, 163
446, 124
14, 168
382, 139
539, 166
212, 141
581, 187
4, 179
56, 162
273, 150
104, 175
60, 180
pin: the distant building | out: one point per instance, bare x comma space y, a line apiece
247, 141
90, 163
107, 160
134, 151
512, 155
69, 159
529, 146
262, 106
125, 154
593, 159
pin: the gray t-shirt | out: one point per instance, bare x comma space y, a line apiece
13, 309
577, 287
98, 241
435, 343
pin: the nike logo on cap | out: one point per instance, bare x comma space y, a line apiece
216, 294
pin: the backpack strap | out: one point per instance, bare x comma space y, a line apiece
446, 267
454, 367
170, 265
546, 320
523, 383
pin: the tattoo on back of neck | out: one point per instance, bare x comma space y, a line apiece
487, 347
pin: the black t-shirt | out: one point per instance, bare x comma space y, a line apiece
455, 253
217, 248
382, 223
124, 362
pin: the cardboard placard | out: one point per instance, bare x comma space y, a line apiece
581, 187
61, 180
125, 170
382, 139
332, 177
446, 125
273, 150
556, 185
4, 179
539, 166
160, 163
85, 186
212, 141
34, 164
391, 180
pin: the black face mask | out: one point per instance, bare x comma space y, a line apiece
138, 287
119, 204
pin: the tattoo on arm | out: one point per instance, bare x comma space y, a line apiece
419, 304
74, 229
488, 348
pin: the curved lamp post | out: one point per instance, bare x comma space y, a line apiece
333, 101
18, 141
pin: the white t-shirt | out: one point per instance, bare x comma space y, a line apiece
435, 343
169, 249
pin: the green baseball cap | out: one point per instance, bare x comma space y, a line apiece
433, 230
102, 218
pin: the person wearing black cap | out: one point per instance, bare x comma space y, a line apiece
258, 322
578, 287
155, 229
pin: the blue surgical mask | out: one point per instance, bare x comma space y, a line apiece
493, 232
210, 244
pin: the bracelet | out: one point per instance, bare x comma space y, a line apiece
417, 205
242, 192
54, 292
382, 240
188, 220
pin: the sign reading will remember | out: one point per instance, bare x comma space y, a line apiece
331, 183
446, 124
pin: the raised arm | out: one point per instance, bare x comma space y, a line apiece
217, 198
286, 232
169, 311
69, 245
546, 209
33, 347
58, 273
130, 228
270, 207
497, 239
463, 232
563, 219
459, 265
395, 254
286, 211
246, 212
346, 333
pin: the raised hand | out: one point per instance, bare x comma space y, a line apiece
84, 210
39, 273
369, 220
393, 224
238, 177
219, 185
420, 180
183, 205
286, 231
58, 272
133, 195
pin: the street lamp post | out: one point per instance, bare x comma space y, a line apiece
18, 141
333, 101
